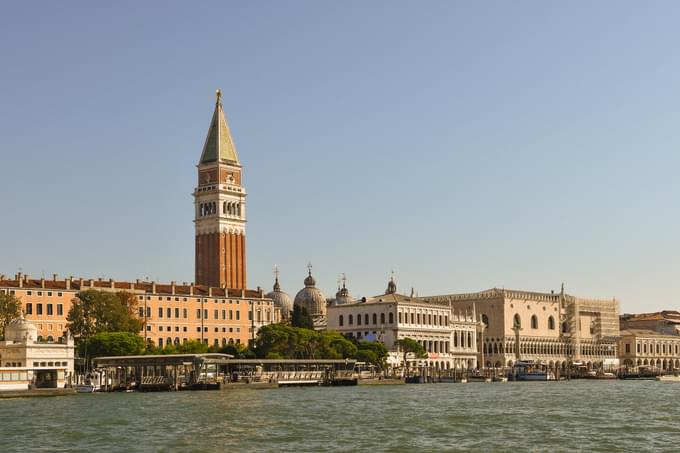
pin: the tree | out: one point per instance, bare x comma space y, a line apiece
281, 341
238, 350
10, 308
114, 344
407, 346
301, 318
94, 312
373, 352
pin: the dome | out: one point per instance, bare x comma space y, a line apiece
311, 298
21, 330
281, 300
309, 281
391, 286
342, 296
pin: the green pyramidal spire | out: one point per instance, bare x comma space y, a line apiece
219, 145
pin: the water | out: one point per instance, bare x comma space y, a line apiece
515, 416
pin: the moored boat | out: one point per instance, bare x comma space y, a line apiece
531, 370
668, 378
91, 383
599, 375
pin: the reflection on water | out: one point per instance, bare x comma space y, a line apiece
551, 416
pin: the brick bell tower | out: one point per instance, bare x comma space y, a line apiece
220, 209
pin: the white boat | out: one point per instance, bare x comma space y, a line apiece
668, 378
530, 370
91, 383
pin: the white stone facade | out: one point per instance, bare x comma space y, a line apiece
448, 336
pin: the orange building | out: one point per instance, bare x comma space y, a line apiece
218, 309
170, 313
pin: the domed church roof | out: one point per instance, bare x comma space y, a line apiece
20, 329
343, 296
310, 297
281, 299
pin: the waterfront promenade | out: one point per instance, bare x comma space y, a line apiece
560, 416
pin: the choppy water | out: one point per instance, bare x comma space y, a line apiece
532, 416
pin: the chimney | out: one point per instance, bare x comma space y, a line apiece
191, 289
81, 283
20, 281
137, 282
67, 282
172, 287
112, 283
54, 277
153, 287
42, 282
92, 283
209, 291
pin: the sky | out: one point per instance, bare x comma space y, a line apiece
461, 145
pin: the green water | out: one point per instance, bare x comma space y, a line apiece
553, 416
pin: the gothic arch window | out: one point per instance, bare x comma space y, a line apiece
341, 320
565, 327
382, 319
350, 320
469, 340
485, 320
534, 322
358, 320
224, 207
517, 321
366, 319
391, 318
551, 323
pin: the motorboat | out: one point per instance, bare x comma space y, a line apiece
668, 378
91, 383
599, 375
531, 370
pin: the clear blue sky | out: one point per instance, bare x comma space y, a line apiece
464, 145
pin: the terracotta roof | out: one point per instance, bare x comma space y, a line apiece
140, 286
646, 333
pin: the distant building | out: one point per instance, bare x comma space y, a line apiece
447, 335
641, 349
26, 358
557, 329
666, 321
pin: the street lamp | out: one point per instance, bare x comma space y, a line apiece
202, 312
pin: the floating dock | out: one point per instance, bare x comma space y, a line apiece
173, 372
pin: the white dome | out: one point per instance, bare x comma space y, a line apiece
20, 329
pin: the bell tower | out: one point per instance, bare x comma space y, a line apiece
220, 209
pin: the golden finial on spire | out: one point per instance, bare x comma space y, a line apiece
218, 93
